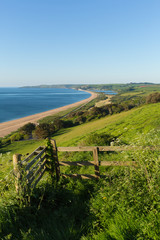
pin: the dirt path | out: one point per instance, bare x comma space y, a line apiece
8, 127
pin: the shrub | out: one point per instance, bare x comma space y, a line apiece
79, 113
153, 98
80, 120
44, 130
68, 123
6, 141
71, 114
28, 128
98, 139
17, 137
95, 111
58, 123
26, 136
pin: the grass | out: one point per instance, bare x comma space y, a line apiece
126, 125
23, 147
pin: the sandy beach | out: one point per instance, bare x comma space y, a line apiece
10, 126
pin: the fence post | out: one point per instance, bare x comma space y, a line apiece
96, 162
55, 154
17, 171
111, 144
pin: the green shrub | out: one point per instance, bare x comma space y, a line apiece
6, 141
26, 136
58, 124
97, 139
44, 130
28, 128
68, 123
17, 136
153, 98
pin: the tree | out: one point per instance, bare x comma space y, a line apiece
28, 128
44, 130
80, 120
58, 123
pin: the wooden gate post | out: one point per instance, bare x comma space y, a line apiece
17, 171
96, 162
56, 159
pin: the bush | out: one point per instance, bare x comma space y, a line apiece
26, 136
28, 128
80, 120
44, 130
96, 139
71, 114
6, 141
95, 111
153, 98
79, 113
17, 137
68, 123
58, 123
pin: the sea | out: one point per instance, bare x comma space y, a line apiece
21, 102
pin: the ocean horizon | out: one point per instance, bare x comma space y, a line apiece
16, 103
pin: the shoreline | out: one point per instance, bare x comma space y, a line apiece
13, 125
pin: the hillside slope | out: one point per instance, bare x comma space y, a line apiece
126, 125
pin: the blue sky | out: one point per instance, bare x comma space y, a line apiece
79, 41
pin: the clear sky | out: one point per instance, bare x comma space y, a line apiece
79, 41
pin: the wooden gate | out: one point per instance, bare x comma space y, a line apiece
34, 166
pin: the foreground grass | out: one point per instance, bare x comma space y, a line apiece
55, 212
125, 205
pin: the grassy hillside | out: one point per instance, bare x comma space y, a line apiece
124, 205
126, 125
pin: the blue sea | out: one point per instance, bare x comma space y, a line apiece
20, 102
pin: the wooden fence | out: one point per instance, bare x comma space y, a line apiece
34, 166
95, 163
30, 170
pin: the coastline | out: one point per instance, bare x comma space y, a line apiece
11, 126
